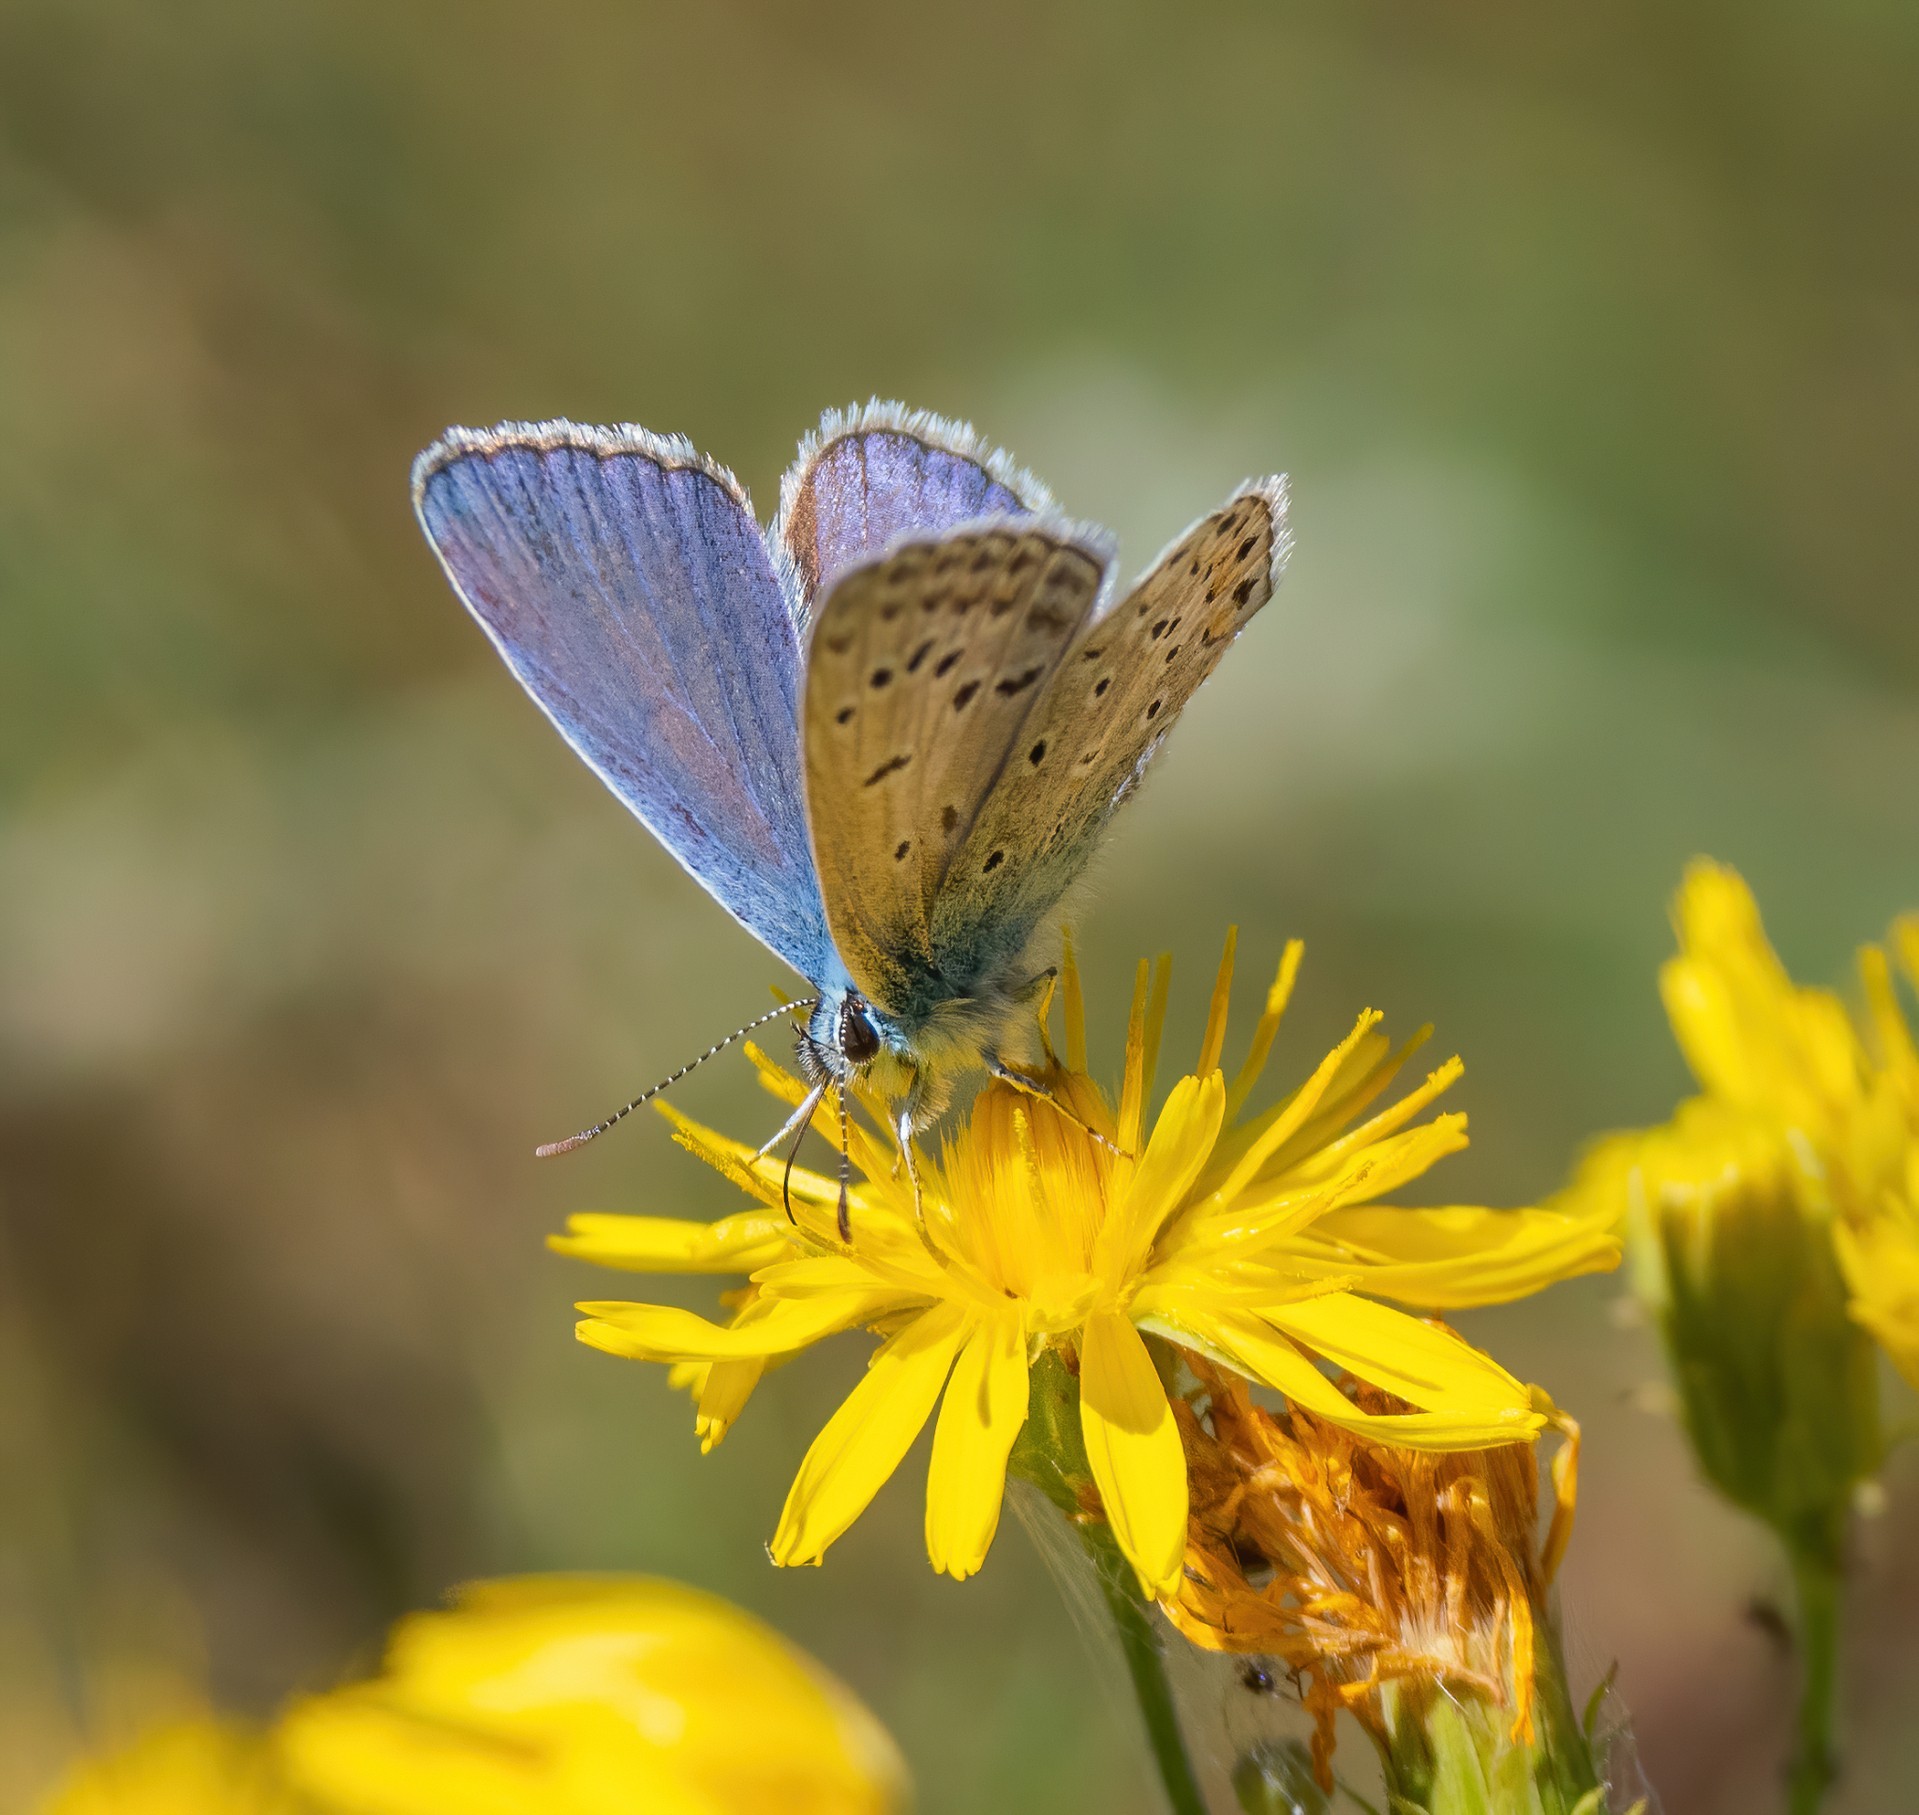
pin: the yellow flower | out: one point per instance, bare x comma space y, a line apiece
1258, 1242
1757, 1043
591, 1696
1879, 1247
199, 1766
535, 1696
1803, 1110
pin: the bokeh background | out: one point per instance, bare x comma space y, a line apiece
1588, 335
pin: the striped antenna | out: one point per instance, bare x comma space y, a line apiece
554, 1148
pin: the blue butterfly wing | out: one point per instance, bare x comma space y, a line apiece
628, 586
866, 479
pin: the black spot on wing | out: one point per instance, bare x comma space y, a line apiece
891, 766
1018, 683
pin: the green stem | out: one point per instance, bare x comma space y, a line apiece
1051, 1454
1817, 1585
1139, 1642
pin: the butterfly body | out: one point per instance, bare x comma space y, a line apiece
886, 734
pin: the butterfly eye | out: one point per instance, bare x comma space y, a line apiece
859, 1042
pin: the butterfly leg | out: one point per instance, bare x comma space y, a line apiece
1036, 1087
796, 1125
903, 1131
1038, 990
1037, 993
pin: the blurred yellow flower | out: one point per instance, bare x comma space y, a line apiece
1879, 1246
1247, 1241
1774, 1228
536, 1696
591, 1696
199, 1766
1802, 1108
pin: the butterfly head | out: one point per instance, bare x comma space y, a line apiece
847, 1040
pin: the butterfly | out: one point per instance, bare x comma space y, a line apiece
885, 734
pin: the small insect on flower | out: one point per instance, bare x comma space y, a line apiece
1258, 1241
886, 733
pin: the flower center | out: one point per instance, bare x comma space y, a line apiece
1029, 1195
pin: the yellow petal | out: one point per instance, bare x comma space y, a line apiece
1182, 1142
1132, 1092
1277, 996
1880, 1260
1750, 1035
890, 1255
1264, 1215
1428, 1366
668, 1333
1312, 1154
767, 1176
193, 1766
1239, 1159
1215, 1041
1888, 1021
863, 1441
1258, 1352
1074, 1001
1462, 1255
356, 1749
583, 1696
722, 1397
1134, 1448
984, 1408
672, 1244
1155, 1027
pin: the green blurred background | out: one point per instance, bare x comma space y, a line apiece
1588, 336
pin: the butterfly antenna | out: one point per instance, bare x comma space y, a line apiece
846, 1163
553, 1148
